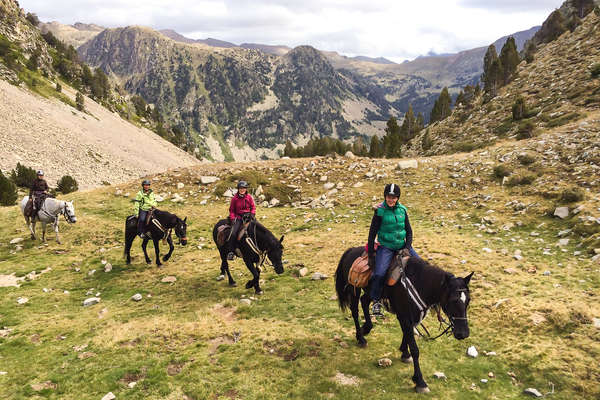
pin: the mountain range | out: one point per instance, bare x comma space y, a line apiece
244, 102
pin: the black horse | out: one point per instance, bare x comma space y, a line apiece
256, 244
167, 222
433, 285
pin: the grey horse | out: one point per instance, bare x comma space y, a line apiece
49, 213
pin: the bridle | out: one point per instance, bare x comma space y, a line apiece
183, 237
449, 324
65, 213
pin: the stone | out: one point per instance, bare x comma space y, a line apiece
317, 276
273, 202
563, 242
136, 297
303, 271
109, 396
206, 180
16, 240
168, 279
384, 362
228, 193
346, 380
246, 302
358, 185
259, 190
37, 387
484, 380
533, 392
220, 278
323, 178
405, 164
349, 154
180, 185
439, 375
486, 250
561, 212
500, 302
22, 300
91, 301
596, 322
92, 272
328, 185
108, 267
472, 352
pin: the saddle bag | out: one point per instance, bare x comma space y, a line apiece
360, 273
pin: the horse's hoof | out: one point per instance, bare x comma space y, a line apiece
259, 292
249, 284
148, 262
423, 389
407, 360
220, 278
159, 265
232, 284
165, 259
362, 344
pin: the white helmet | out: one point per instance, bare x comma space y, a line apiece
40, 172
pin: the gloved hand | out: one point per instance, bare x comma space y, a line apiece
405, 253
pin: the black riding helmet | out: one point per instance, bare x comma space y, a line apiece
391, 189
145, 182
242, 184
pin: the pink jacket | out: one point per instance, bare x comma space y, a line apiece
241, 205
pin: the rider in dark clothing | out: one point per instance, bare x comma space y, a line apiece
242, 203
37, 191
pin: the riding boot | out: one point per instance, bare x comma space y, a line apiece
232, 242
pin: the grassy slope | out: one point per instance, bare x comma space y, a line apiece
180, 341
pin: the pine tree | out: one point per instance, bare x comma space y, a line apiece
529, 53
583, 7
408, 126
8, 191
441, 108
492, 71
79, 101
375, 147
420, 123
510, 59
392, 141
553, 27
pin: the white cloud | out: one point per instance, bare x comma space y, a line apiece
390, 28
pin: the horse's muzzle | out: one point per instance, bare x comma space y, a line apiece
461, 334
73, 220
183, 241
279, 269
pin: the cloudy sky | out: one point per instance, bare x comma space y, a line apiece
395, 29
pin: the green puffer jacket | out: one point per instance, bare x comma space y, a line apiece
392, 233
144, 201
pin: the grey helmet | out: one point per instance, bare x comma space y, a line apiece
242, 184
146, 182
40, 172
391, 189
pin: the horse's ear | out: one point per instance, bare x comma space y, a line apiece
185, 220
468, 278
281, 240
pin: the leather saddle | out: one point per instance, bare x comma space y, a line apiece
360, 272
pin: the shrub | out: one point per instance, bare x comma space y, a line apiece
22, 176
33, 19
525, 130
426, 141
519, 109
504, 127
67, 184
526, 159
58, 87
8, 191
500, 171
595, 70
572, 195
526, 179
79, 101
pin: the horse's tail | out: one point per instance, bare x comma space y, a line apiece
341, 282
129, 233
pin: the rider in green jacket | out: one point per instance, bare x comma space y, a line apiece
144, 202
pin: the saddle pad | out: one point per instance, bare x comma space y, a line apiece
396, 270
222, 233
360, 273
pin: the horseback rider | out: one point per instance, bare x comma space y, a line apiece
38, 192
391, 226
242, 203
144, 202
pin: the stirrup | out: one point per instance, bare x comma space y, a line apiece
231, 256
377, 309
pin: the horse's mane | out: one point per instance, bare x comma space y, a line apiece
167, 214
269, 237
420, 266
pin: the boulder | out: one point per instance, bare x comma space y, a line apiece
273, 202
246, 302
109, 396
205, 180
323, 178
91, 301
303, 271
107, 267
16, 240
228, 193
180, 185
168, 279
358, 185
439, 375
136, 297
561, 212
349, 154
405, 164
259, 190
317, 276
472, 352
384, 362
533, 392
328, 185
22, 300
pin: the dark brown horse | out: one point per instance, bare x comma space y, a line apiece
433, 286
167, 223
256, 245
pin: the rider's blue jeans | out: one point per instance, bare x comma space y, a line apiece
383, 258
141, 221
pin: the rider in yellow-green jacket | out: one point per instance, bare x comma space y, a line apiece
144, 202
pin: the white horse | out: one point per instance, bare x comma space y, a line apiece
49, 213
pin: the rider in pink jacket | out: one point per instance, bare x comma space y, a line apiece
242, 203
